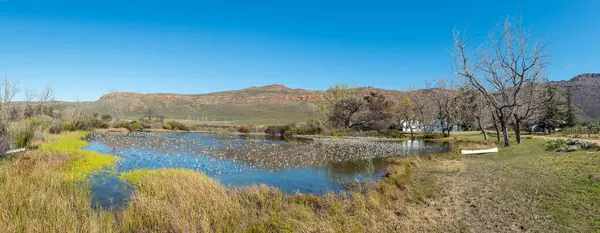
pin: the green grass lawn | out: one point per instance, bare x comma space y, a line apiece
523, 187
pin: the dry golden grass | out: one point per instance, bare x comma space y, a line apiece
37, 197
186, 201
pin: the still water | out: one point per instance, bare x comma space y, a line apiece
308, 166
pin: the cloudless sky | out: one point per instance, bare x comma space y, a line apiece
88, 48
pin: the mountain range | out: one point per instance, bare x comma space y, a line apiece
279, 104
585, 94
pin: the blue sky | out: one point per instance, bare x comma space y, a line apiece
87, 48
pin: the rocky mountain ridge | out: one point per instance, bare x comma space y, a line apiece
277, 102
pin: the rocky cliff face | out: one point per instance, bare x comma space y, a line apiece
585, 93
274, 102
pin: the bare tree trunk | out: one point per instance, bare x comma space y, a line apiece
518, 130
485, 137
412, 134
505, 133
497, 131
496, 126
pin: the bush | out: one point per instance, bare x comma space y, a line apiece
393, 133
341, 132
130, 126
106, 118
570, 145
432, 135
37, 139
56, 128
281, 130
22, 135
243, 129
4, 138
155, 123
176, 125
41, 123
67, 126
369, 133
145, 125
312, 126
87, 123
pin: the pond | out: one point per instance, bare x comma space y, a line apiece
298, 165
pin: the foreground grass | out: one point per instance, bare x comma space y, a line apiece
522, 188
39, 191
185, 201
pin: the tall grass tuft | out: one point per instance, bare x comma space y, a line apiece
37, 196
22, 134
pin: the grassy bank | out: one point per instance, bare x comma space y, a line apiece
82, 163
40, 190
522, 188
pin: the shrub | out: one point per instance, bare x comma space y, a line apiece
130, 126
281, 130
41, 123
176, 125
4, 138
55, 128
392, 133
145, 125
432, 135
22, 134
243, 129
37, 139
106, 117
84, 123
312, 126
570, 145
369, 133
341, 132
67, 126
155, 123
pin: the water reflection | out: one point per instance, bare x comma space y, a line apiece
308, 166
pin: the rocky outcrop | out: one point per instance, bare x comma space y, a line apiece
585, 93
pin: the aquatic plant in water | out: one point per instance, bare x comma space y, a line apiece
84, 163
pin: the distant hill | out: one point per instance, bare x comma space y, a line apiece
279, 104
585, 93
266, 104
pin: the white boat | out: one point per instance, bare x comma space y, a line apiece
483, 151
14, 151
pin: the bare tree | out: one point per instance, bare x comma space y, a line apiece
76, 109
407, 111
447, 104
506, 71
422, 102
45, 96
474, 107
30, 95
9, 90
